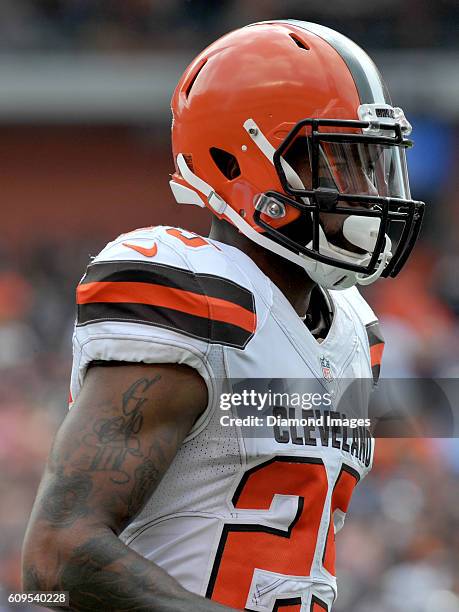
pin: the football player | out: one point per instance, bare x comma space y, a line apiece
285, 131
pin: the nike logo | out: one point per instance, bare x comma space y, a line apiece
151, 252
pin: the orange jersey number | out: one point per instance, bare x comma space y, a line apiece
244, 547
191, 240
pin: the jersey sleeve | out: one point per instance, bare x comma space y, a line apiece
140, 301
374, 338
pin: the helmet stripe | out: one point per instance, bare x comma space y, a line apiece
370, 86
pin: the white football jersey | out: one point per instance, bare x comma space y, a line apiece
244, 516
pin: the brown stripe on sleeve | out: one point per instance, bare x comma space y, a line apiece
376, 343
207, 307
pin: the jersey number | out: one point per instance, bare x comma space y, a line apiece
289, 550
191, 239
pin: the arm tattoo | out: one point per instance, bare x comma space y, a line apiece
105, 448
31, 580
114, 439
106, 471
146, 476
100, 576
66, 500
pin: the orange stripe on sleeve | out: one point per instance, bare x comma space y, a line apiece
167, 297
376, 353
318, 607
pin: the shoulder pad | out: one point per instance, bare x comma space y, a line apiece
147, 277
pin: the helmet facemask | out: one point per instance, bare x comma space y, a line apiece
357, 219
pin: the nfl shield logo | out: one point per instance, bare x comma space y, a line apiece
326, 369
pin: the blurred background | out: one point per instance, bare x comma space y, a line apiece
84, 149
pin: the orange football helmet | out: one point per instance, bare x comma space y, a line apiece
279, 124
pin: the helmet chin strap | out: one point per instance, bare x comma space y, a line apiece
385, 258
362, 232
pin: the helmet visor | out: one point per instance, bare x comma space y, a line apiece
364, 169
359, 168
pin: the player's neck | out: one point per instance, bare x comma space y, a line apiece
292, 280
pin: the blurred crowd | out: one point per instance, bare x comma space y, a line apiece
399, 548
153, 24
36, 313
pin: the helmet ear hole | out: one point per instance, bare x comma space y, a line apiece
226, 163
189, 84
298, 42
